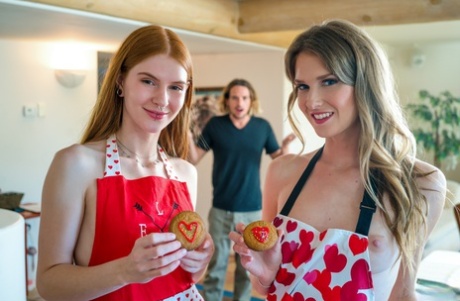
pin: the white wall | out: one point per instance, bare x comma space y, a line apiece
29, 143
439, 72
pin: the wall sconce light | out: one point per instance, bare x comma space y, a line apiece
417, 57
70, 78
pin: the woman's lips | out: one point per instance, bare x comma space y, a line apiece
157, 114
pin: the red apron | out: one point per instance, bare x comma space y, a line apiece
129, 209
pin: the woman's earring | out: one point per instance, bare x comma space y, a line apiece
119, 92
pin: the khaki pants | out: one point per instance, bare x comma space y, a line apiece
221, 222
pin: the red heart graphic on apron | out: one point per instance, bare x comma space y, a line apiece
285, 277
298, 297
357, 245
322, 234
311, 276
287, 250
277, 222
335, 294
304, 253
334, 261
361, 274
351, 292
291, 226
323, 280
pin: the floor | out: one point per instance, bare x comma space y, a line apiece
230, 278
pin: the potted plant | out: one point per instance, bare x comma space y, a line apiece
438, 129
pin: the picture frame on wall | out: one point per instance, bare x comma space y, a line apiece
204, 107
103, 60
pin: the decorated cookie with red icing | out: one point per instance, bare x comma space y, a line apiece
260, 235
189, 229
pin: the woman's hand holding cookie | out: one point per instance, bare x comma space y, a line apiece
261, 264
197, 260
260, 235
153, 255
190, 231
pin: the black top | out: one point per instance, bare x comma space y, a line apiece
367, 206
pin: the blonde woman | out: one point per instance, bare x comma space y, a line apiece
354, 215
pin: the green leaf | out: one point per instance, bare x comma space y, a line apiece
437, 115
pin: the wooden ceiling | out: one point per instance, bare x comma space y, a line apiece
269, 22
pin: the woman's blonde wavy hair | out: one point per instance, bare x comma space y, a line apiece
107, 113
386, 147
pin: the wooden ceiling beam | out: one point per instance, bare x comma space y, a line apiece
274, 15
214, 17
217, 17
266, 22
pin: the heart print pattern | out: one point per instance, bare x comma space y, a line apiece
331, 265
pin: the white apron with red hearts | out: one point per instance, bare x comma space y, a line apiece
332, 265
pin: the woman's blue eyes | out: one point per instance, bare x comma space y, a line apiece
301, 87
325, 82
329, 82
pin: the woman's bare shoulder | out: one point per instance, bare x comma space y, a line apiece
81, 156
72, 171
183, 167
432, 184
432, 178
291, 158
78, 149
289, 165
